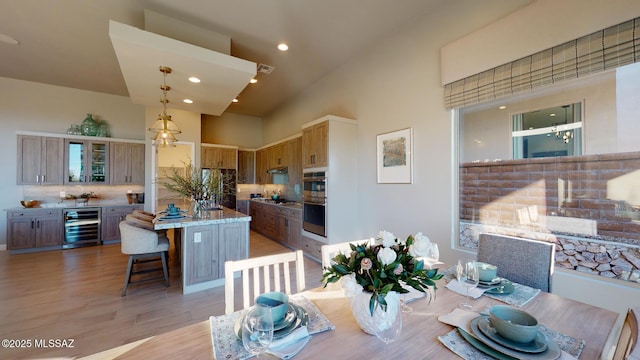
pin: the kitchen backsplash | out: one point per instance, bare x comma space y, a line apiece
288, 192
51, 195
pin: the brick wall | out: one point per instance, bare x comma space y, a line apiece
522, 193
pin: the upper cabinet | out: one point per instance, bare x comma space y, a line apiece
246, 167
314, 145
40, 160
262, 165
214, 157
294, 150
86, 161
126, 163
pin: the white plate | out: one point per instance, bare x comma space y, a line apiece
553, 350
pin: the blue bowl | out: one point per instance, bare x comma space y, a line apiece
278, 302
513, 324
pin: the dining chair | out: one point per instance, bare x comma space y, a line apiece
143, 246
328, 252
258, 272
524, 261
627, 347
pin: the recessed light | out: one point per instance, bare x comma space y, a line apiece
8, 39
194, 79
235, 100
253, 81
187, 101
283, 47
502, 107
552, 114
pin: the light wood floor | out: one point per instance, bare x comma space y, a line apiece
75, 294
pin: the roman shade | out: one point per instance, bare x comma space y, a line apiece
602, 50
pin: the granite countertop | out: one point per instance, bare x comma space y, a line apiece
71, 205
224, 216
289, 204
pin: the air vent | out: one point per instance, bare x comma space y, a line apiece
265, 69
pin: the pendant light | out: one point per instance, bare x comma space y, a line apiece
164, 127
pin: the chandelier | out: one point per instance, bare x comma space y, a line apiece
565, 136
164, 127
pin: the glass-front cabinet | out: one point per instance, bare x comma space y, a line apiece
86, 162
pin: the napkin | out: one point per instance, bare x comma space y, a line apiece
454, 285
290, 345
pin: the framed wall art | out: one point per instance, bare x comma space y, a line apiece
395, 157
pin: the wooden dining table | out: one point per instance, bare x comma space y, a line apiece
418, 340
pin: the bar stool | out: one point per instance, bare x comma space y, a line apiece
143, 246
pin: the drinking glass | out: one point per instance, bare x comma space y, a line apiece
389, 331
467, 275
257, 330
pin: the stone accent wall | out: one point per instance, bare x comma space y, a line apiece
610, 260
589, 206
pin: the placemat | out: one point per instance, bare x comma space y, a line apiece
521, 295
457, 344
227, 346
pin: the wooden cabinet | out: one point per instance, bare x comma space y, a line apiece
314, 145
111, 217
294, 153
27, 229
40, 160
277, 222
289, 231
312, 248
246, 167
277, 156
213, 157
207, 248
126, 163
262, 165
86, 161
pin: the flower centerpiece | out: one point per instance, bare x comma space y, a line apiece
191, 183
380, 269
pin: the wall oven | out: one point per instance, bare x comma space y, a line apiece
81, 227
314, 202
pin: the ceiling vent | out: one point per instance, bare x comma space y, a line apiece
265, 69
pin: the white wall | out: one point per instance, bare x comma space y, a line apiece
30, 106
394, 85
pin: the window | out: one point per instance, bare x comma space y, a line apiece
555, 131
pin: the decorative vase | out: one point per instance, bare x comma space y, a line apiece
381, 320
89, 126
199, 209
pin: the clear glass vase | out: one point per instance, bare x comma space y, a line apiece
199, 209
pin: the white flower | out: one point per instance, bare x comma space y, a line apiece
388, 239
421, 246
350, 285
386, 256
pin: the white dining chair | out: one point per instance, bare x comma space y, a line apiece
627, 347
524, 261
262, 272
328, 252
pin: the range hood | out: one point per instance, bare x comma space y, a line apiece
278, 170
140, 53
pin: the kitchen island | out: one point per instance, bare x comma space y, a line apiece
205, 244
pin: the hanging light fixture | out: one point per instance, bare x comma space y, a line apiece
164, 127
565, 136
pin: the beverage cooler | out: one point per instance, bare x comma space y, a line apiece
81, 227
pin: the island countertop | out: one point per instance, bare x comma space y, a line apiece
224, 216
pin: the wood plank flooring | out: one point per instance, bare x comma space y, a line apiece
75, 294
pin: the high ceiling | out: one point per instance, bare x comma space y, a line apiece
66, 42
